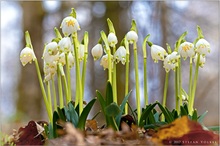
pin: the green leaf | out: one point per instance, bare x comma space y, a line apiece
194, 115
112, 110
67, 114
84, 114
74, 117
186, 108
61, 113
151, 118
157, 116
175, 114
122, 106
199, 31
101, 100
201, 117
145, 114
109, 94
183, 111
50, 131
55, 119
169, 118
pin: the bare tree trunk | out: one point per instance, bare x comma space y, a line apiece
30, 97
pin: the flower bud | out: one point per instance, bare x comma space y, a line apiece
202, 47
120, 55
132, 37
157, 53
97, 51
186, 49
69, 25
27, 55
112, 39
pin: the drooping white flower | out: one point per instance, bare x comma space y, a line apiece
120, 55
51, 54
81, 52
104, 61
49, 70
170, 62
186, 49
62, 58
69, 25
112, 39
27, 55
65, 45
202, 47
97, 51
51, 48
201, 60
71, 60
157, 53
132, 37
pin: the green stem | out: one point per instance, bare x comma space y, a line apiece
60, 90
78, 77
68, 97
127, 76
180, 82
86, 41
190, 78
49, 97
43, 90
114, 80
137, 82
165, 92
54, 95
176, 89
64, 80
191, 101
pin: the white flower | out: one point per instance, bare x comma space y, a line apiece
81, 52
27, 55
112, 39
201, 60
157, 53
186, 49
62, 59
104, 61
65, 45
202, 47
71, 59
51, 48
120, 55
132, 37
170, 62
97, 51
50, 70
69, 25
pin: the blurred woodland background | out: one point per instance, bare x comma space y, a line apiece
21, 98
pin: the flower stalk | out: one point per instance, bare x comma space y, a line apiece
144, 47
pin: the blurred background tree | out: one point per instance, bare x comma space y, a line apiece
21, 99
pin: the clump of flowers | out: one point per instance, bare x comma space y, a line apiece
65, 52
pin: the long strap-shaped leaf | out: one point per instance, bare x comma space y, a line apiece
84, 114
145, 114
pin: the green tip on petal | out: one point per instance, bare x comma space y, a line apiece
73, 13
133, 26
110, 25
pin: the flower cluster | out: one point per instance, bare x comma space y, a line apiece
186, 49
